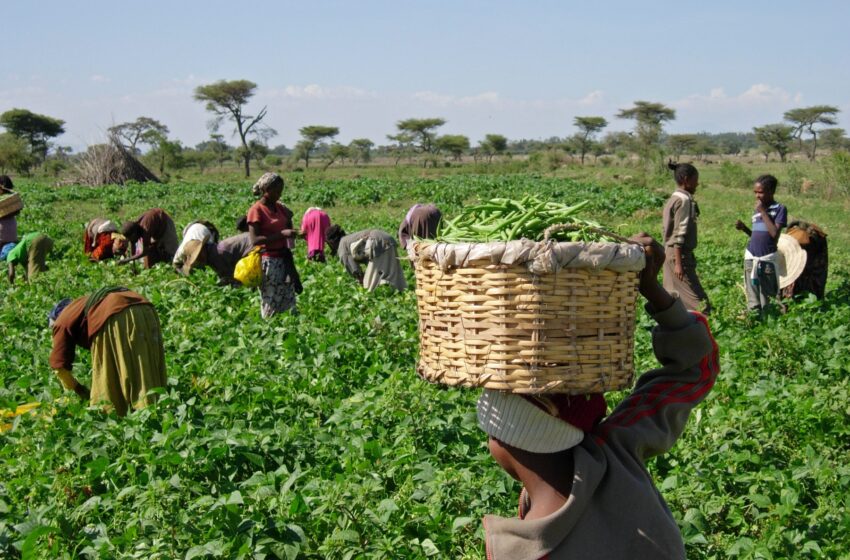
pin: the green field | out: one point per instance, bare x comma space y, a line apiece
312, 437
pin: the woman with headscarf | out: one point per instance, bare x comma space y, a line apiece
122, 330
221, 257
158, 234
314, 226
199, 230
102, 241
421, 221
30, 252
270, 227
372, 247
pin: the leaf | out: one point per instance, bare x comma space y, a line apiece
460, 522
429, 548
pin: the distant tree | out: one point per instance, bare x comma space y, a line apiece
143, 129
682, 143
806, 118
336, 152
259, 150
360, 149
201, 158
777, 137
588, 128
834, 139
217, 147
312, 136
36, 129
493, 145
649, 120
403, 145
455, 144
227, 99
281, 150
422, 131
618, 143
168, 154
15, 154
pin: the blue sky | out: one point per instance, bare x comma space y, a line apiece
523, 69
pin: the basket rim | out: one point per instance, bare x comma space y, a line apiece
537, 256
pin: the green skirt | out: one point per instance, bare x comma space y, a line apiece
128, 359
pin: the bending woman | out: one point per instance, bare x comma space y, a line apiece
372, 247
158, 235
122, 330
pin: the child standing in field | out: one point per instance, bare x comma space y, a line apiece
679, 224
769, 217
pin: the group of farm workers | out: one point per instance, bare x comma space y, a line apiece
577, 465
121, 328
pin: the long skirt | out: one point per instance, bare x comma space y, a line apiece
128, 359
689, 288
277, 293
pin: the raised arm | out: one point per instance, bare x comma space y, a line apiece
650, 420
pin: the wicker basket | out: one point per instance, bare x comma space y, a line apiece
514, 327
9, 204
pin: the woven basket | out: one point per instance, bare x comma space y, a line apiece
503, 326
9, 204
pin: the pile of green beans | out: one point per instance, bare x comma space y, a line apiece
503, 219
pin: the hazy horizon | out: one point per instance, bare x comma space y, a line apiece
524, 71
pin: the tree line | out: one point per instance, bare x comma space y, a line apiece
27, 141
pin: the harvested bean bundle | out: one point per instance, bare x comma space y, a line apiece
503, 219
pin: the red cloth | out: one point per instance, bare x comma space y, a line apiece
270, 221
103, 247
582, 411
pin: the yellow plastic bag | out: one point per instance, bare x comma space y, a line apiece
248, 270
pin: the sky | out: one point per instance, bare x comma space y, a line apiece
521, 69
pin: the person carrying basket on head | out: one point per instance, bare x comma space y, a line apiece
586, 490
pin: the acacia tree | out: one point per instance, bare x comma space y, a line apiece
360, 149
336, 151
36, 129
403, 145
312, 136
455, 144
834, 139
806, 118
681, 143
423, 132
776, 137
588, 127
143, 129
649, 120
15, 154
227, 99
493, 145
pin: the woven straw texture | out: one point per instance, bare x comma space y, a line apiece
9, 204
503, 327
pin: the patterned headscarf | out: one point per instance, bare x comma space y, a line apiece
264, 182
56, 311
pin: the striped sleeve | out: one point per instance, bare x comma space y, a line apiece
650, 420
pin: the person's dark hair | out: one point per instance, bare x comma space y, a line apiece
242, 224
6, 182
333, 236
132, 231
682, 171
769, 182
